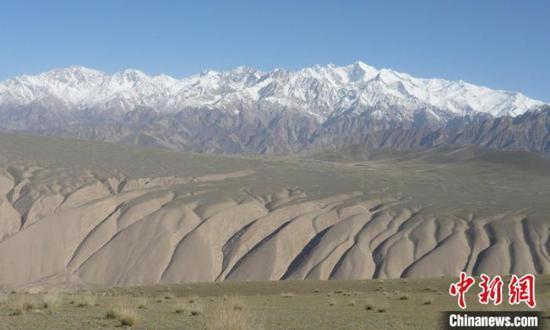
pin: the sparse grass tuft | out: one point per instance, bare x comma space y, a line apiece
83, 300
225, 316
181, 306
22, 302
369, 305
3, 298
126, 316
196, 309
16, 312
140, 303
404, 296
18, 304
52, 300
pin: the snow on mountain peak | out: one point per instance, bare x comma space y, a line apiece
361, 71
321, 91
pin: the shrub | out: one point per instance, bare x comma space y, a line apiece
19, 303
52, 300
404, 297
126, 316
225, 316
140, 303
370, 305
17, 311
84, 300
3, 298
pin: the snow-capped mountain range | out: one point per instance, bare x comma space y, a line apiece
250, 111
320, 91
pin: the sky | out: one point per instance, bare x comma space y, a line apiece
501, 44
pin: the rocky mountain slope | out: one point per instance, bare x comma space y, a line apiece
250, 111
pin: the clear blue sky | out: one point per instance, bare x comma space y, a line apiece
497, 43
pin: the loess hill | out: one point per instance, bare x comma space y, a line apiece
88, 213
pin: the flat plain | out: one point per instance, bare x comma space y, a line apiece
354, 304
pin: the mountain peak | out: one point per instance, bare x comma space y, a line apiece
72, 73
362, 65
132, 75
321, 91
361, 71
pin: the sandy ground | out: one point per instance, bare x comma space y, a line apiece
83, 214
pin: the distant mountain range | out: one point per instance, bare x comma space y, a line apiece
250, 111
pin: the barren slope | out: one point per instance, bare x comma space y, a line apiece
92, 213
